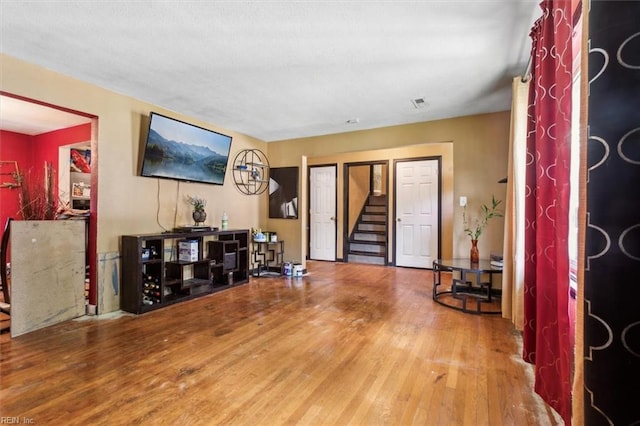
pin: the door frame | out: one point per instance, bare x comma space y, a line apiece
335, 215
345, 206
395, 196
92, 225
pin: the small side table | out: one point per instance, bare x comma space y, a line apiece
464, 290
267, 256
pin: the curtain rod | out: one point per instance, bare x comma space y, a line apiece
527, 71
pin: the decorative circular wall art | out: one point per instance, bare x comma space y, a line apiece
251, 171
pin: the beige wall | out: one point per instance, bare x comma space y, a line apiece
475, 147
404, 152
127, 203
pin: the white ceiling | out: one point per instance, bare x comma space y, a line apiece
33, 119
284, 69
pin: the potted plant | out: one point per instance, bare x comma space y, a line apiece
198, 204
474, 226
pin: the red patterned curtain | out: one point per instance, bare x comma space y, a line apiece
547, 336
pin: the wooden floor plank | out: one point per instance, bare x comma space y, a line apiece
345, 344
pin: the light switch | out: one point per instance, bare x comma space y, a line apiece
463, 201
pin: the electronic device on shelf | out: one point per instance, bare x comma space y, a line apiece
194, 228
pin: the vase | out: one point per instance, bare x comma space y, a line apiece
474, 255
199, 216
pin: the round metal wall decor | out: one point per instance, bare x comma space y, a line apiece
251, 171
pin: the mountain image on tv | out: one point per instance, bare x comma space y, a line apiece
196, 160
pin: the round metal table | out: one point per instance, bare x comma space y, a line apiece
474, 296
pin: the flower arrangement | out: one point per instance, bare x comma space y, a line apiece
474, 227
198, 203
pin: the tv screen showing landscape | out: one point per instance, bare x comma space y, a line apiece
178, 150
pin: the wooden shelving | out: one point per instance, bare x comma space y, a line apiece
154, 277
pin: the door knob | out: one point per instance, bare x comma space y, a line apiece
332, 218
399, 220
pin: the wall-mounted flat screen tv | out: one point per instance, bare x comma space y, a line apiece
178, 150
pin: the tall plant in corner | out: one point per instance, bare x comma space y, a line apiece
473, 227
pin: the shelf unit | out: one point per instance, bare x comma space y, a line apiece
224, 254
267, 256
153, 277
80, 190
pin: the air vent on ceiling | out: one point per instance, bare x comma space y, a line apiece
419, 103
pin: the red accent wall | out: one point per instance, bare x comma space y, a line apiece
13, 147
47, 144
31, 152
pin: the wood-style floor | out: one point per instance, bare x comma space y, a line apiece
346, 344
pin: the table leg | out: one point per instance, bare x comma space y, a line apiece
436, 281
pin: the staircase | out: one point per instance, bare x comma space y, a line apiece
368, 241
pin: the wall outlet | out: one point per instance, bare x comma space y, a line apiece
463, 201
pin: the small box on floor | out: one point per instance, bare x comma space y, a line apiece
287, 269
188, 251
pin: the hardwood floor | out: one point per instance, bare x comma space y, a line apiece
346, 344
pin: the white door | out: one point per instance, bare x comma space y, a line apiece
322, 208
417, 211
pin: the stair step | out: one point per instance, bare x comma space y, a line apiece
368, 243
371, 227
375, 209
374, 248
369, 236
374, 218
372, 260
377, 200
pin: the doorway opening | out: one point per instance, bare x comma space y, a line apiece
37, 133
366, 212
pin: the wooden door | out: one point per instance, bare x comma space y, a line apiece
417, 212
322, 213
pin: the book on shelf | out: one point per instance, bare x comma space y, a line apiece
497, 263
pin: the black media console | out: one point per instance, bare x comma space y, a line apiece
166, 268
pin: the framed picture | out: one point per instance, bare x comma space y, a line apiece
283, 193
80, 160
79, 189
